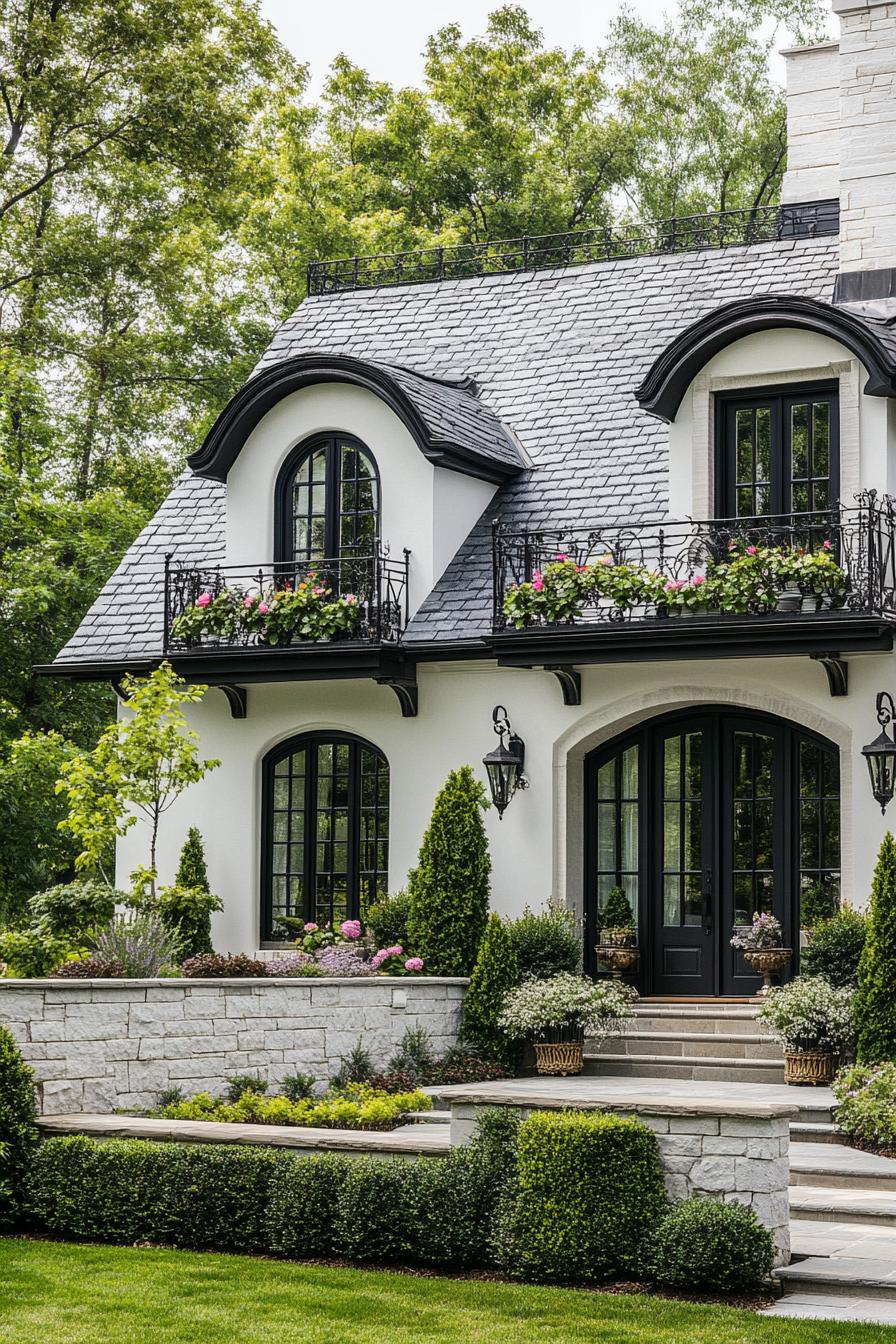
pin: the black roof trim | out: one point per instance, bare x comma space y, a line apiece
675, 368
225, 439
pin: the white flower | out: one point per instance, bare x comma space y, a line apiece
565, 1003
810, 1014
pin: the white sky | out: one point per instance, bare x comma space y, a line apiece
387, 37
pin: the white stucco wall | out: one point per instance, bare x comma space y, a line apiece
537, 849
410, 486
767, 358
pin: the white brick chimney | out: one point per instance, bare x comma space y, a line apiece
841, 124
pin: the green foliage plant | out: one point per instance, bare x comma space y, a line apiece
546, 942
29, 954
141, 765
704, 1246
387, 921
835, 949
140, 943
450, 890
414, 1056
74, 909
241, 1083
617, 919
589, 1190
223, 966
186, 907
875, 1007
357, 1106
866, 1104
18, 1129
818, 903
298, 1086
495, 974
355, 1067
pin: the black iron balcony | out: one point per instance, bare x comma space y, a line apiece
688, 233
843, 560
350, 600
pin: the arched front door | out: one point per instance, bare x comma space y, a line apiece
703, 818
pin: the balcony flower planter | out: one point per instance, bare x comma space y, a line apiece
789, 598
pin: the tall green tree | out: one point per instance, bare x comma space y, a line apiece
875, 1006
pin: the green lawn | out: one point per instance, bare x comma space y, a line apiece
53, 1293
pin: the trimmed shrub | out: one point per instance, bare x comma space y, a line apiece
617, 912
875, 1007
18, 1128
217, 966
303, 1204
387, 921
712, 1247
836, 948
588, 1192
74, 909
495, 974
128, 1190
449, 892
546, 943
89, 968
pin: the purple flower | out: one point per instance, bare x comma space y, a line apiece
292, 964
414, 964
350, 928
342, 961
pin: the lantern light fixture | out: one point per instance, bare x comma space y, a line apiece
504, 765
881, 753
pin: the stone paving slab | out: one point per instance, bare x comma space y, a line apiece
819, 1307
841, 1205
842, 1273
666, 1096
853, 1240
841, 1160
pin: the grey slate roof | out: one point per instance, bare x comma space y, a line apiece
557, 356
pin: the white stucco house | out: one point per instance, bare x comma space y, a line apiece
427, 431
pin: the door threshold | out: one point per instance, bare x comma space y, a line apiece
696, 998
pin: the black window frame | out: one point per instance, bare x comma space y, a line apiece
780, 398
284, 537
310, 742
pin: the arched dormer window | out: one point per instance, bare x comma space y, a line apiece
325, 830
327, 501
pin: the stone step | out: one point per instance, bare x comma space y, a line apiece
841, 1275
824, 1204
429, 1117
733, 1023
857, 1241
803, 1131
699, 1068
722, 1045
823, 1306
838, 1167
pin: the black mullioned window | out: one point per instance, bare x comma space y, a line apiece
778, 452
328, 501
325, 830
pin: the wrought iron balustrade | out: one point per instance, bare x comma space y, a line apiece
375, 586
686, 233
861, 539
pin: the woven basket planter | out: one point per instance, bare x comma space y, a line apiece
559, 1058
809, 1068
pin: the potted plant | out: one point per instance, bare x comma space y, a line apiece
618, 944
557, 1014
787, 573
762, 945
822, 581
813, 1022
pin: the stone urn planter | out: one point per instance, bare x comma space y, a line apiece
559, 1058
618, 957
769, 962
810, 1068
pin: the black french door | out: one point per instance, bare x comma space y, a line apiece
704, 819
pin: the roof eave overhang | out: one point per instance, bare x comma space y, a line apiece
674, 370
225, 439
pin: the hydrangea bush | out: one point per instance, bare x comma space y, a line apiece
810, 1014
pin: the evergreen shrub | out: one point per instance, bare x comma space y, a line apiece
588, 1192
186, 908
18, 1128
387, 921
496, 973
74, 909
450, 887
710, 1247
875, 1006
546, 943
836, 948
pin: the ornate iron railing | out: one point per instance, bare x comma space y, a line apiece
687, 233
374, 585
861, 539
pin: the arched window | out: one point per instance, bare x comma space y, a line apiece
704, 817
328, 501
325, 830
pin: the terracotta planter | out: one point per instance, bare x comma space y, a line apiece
769, 961
559, 1058
617, 958
810, 1068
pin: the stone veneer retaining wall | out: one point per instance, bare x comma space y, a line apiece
97, 1045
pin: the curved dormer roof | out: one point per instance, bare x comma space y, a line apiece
446, 419
871, 340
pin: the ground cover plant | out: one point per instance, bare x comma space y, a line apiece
356, 1106
866, 1105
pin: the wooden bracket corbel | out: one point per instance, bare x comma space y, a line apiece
837, 670
237, 698
570, 682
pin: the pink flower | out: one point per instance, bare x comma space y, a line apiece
752, 550
537, 584
606, 560
674, 585
351, 599
311, 928
414, 964
318, 591
561, 558
263, 608
396, 951
350, 928
825, 545
248, 601
203, 599
697, 580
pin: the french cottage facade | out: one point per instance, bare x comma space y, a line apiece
427, 433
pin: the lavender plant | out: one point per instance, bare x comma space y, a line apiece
342, 961
139, 943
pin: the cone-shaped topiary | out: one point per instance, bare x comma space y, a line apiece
191, 871
875, 1006
496, 973
18, 1128
186, 907
449, 893
617, 913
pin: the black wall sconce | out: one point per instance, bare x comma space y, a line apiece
881, 753
504, 765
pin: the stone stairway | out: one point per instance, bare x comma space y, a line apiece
705, 1042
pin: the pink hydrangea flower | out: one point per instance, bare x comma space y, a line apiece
752, 550
248, 601
350, 928
311, 928
414, 964
351, 599
561, 558
825, 545
263, 608
203, 599
697, 580
674, 585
